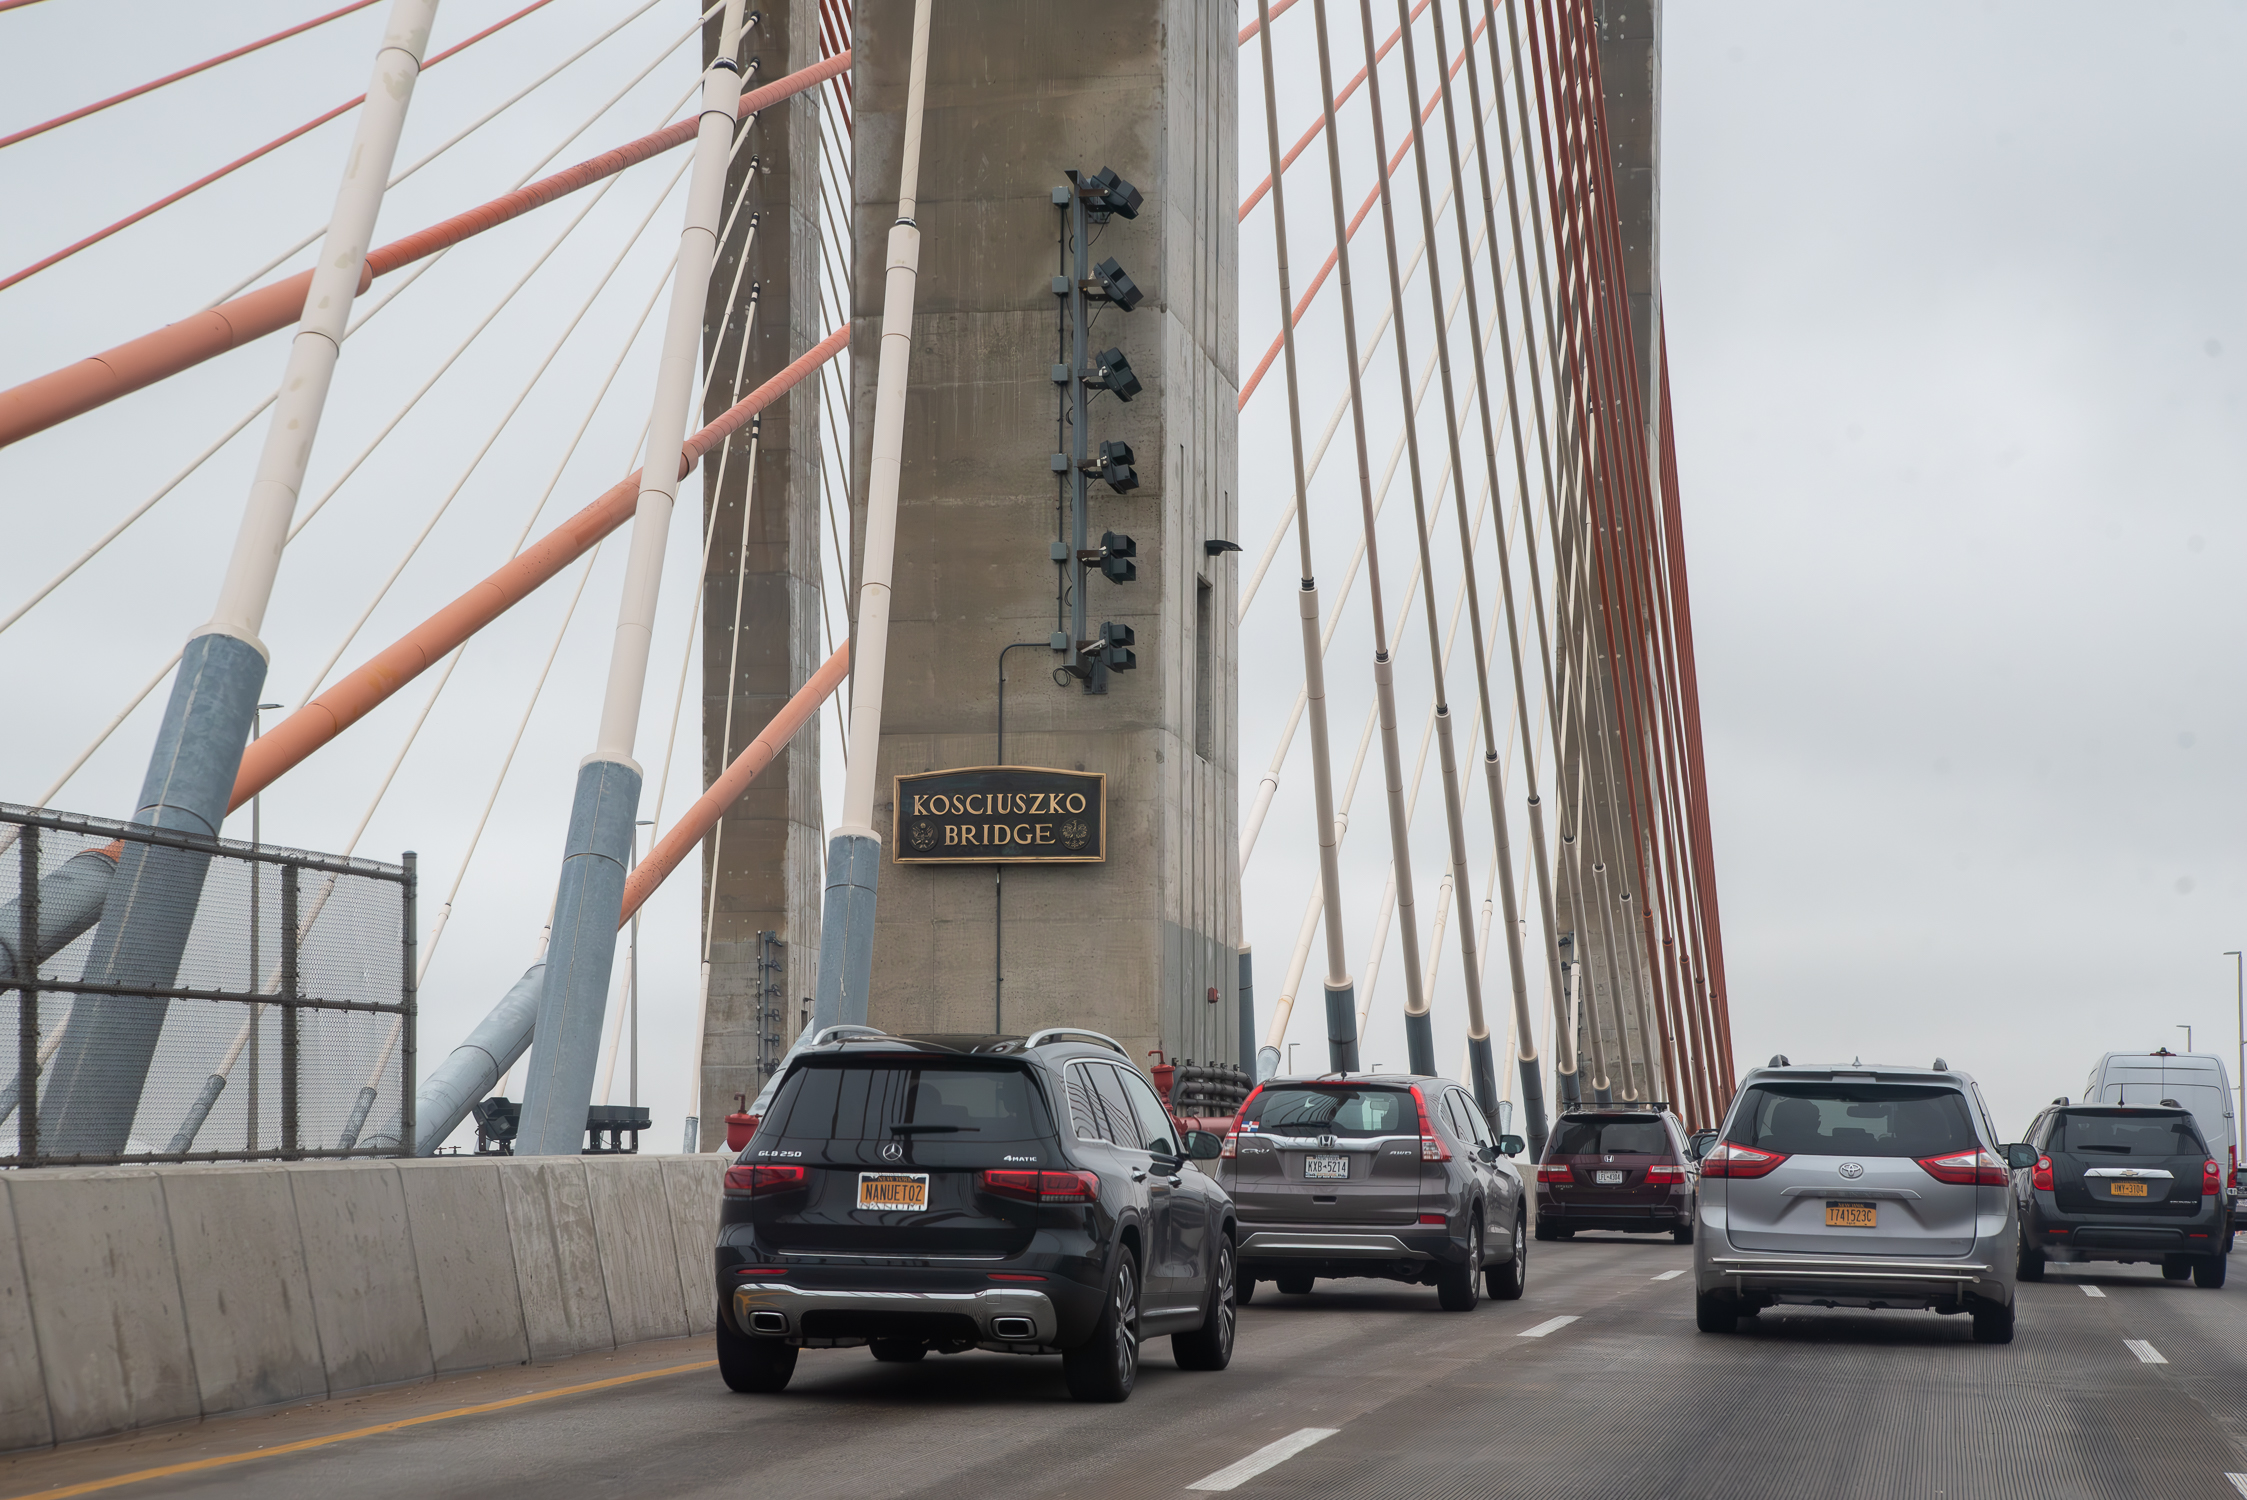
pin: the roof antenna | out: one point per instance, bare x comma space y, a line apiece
1857, 1062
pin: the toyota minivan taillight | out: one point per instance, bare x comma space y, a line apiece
1980, 1165
1729, 1159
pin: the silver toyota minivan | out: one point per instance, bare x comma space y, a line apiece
1875, 1187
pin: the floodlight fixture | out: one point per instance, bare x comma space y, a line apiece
1115, 466
1112, 282
1116, 554
1106, 193
1115, 374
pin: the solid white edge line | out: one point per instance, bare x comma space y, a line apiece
1671, 1275
1271, 1455
2092, 1291
2238, 1482
2147, 1354
1550, 1325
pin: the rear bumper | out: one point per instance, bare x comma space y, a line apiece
1012, 1319
1264, 1245
2065, 1236
1854, 1279
1646, 1212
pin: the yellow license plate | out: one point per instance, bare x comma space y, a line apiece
893, 1192
2126, 1189
1851, 1215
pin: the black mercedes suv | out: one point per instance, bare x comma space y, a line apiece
2122, 1183
1028, 1195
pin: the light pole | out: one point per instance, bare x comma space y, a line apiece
633, 972
257, 871
2239, 974
1291, 1046
2187, 1030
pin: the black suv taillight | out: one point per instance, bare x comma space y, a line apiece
755, 1182
1042, 1187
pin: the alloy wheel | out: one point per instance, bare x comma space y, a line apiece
1228, 1310
1127, 1325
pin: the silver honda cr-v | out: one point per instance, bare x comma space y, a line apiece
1857, 1187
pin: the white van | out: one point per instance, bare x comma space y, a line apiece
2195, 1080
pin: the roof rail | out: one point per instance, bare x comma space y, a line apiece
843, 1033
1073, 1033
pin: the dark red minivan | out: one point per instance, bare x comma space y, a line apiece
1621, 1166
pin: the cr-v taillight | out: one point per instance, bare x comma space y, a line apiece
1727, 1159
1967, 1168
1432, 1147
2040, 1175
2211, 1178
1231, 1148
755, 1182
1665, 1172
1042, 1187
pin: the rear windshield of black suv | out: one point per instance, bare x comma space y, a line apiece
1608, 1135
2127, 1135
935, 1099
1813, 1118
1332, 1109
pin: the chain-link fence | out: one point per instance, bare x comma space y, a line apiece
167, 997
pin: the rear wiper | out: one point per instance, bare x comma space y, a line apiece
933, 1129
2117, 1150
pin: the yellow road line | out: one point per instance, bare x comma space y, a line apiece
198, 1465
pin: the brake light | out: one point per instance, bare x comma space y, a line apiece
755, 1182
1433, 1219
1232, 1143
1042, 1187
2231, 1153
1661, 1172
1727, 1159
1432, 1147
2040, 1175
1554, 1172
1014, 1276
1968, 1168
2211, 1178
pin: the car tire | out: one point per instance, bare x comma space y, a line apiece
1993, 1324
1106, 1365
1295, 1283
1683, 1234
1210, 1347
1459, 1287
2030, 1266
2208, 1271
1504, 1281
1244, 1289
1714, 1312
1547, 1231
897, 1351
2175, 1267
751, 1365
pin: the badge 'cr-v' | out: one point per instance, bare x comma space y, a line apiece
944, 1193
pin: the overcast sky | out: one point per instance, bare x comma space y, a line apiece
1955, 323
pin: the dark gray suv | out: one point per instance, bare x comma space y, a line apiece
1385, 1175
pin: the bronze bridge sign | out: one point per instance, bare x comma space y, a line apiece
1002, 815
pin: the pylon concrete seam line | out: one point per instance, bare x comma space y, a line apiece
485, 119
240, 162
666, 853
360, 690
1317, 126
204, 66
39, 404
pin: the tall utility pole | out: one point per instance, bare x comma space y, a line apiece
108, 1043
2239, 973
596, 853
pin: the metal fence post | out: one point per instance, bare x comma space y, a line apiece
287, 999
27, 1015
411, 996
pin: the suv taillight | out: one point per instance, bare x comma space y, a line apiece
755, 1182
1665, 1172
2040, 1175
1232, 1144
1042, 1187
1725, 1159
2211, 1178
1967, 1168
1432, 1147
1554, 1172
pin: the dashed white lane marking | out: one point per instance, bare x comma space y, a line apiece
2147, 1354
2092, 1291
1671, 1275
1268, 1456
2238, 1482
1550, 1325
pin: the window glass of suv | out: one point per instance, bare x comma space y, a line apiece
1476, 1128
1084, 1109
864, 1099
1813, 1118
1115, 1105
1154, 1121
1332, 1109
2127, 1135
1596, 1135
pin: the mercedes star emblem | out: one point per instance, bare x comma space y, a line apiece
1852, 1170
894, 1151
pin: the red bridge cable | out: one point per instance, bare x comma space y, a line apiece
155, 84
42, 402
1333, 257
242, 161
362, 689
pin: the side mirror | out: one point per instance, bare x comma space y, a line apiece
1511, 1145
1203, 1145
2020, 1155
1699, 1145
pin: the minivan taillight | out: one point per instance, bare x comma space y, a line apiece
1665, 1172
1726, 1159
1042, 1187
1968, 1168
2211, 1178
2040, 1175
1554, 1172
755, 1182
